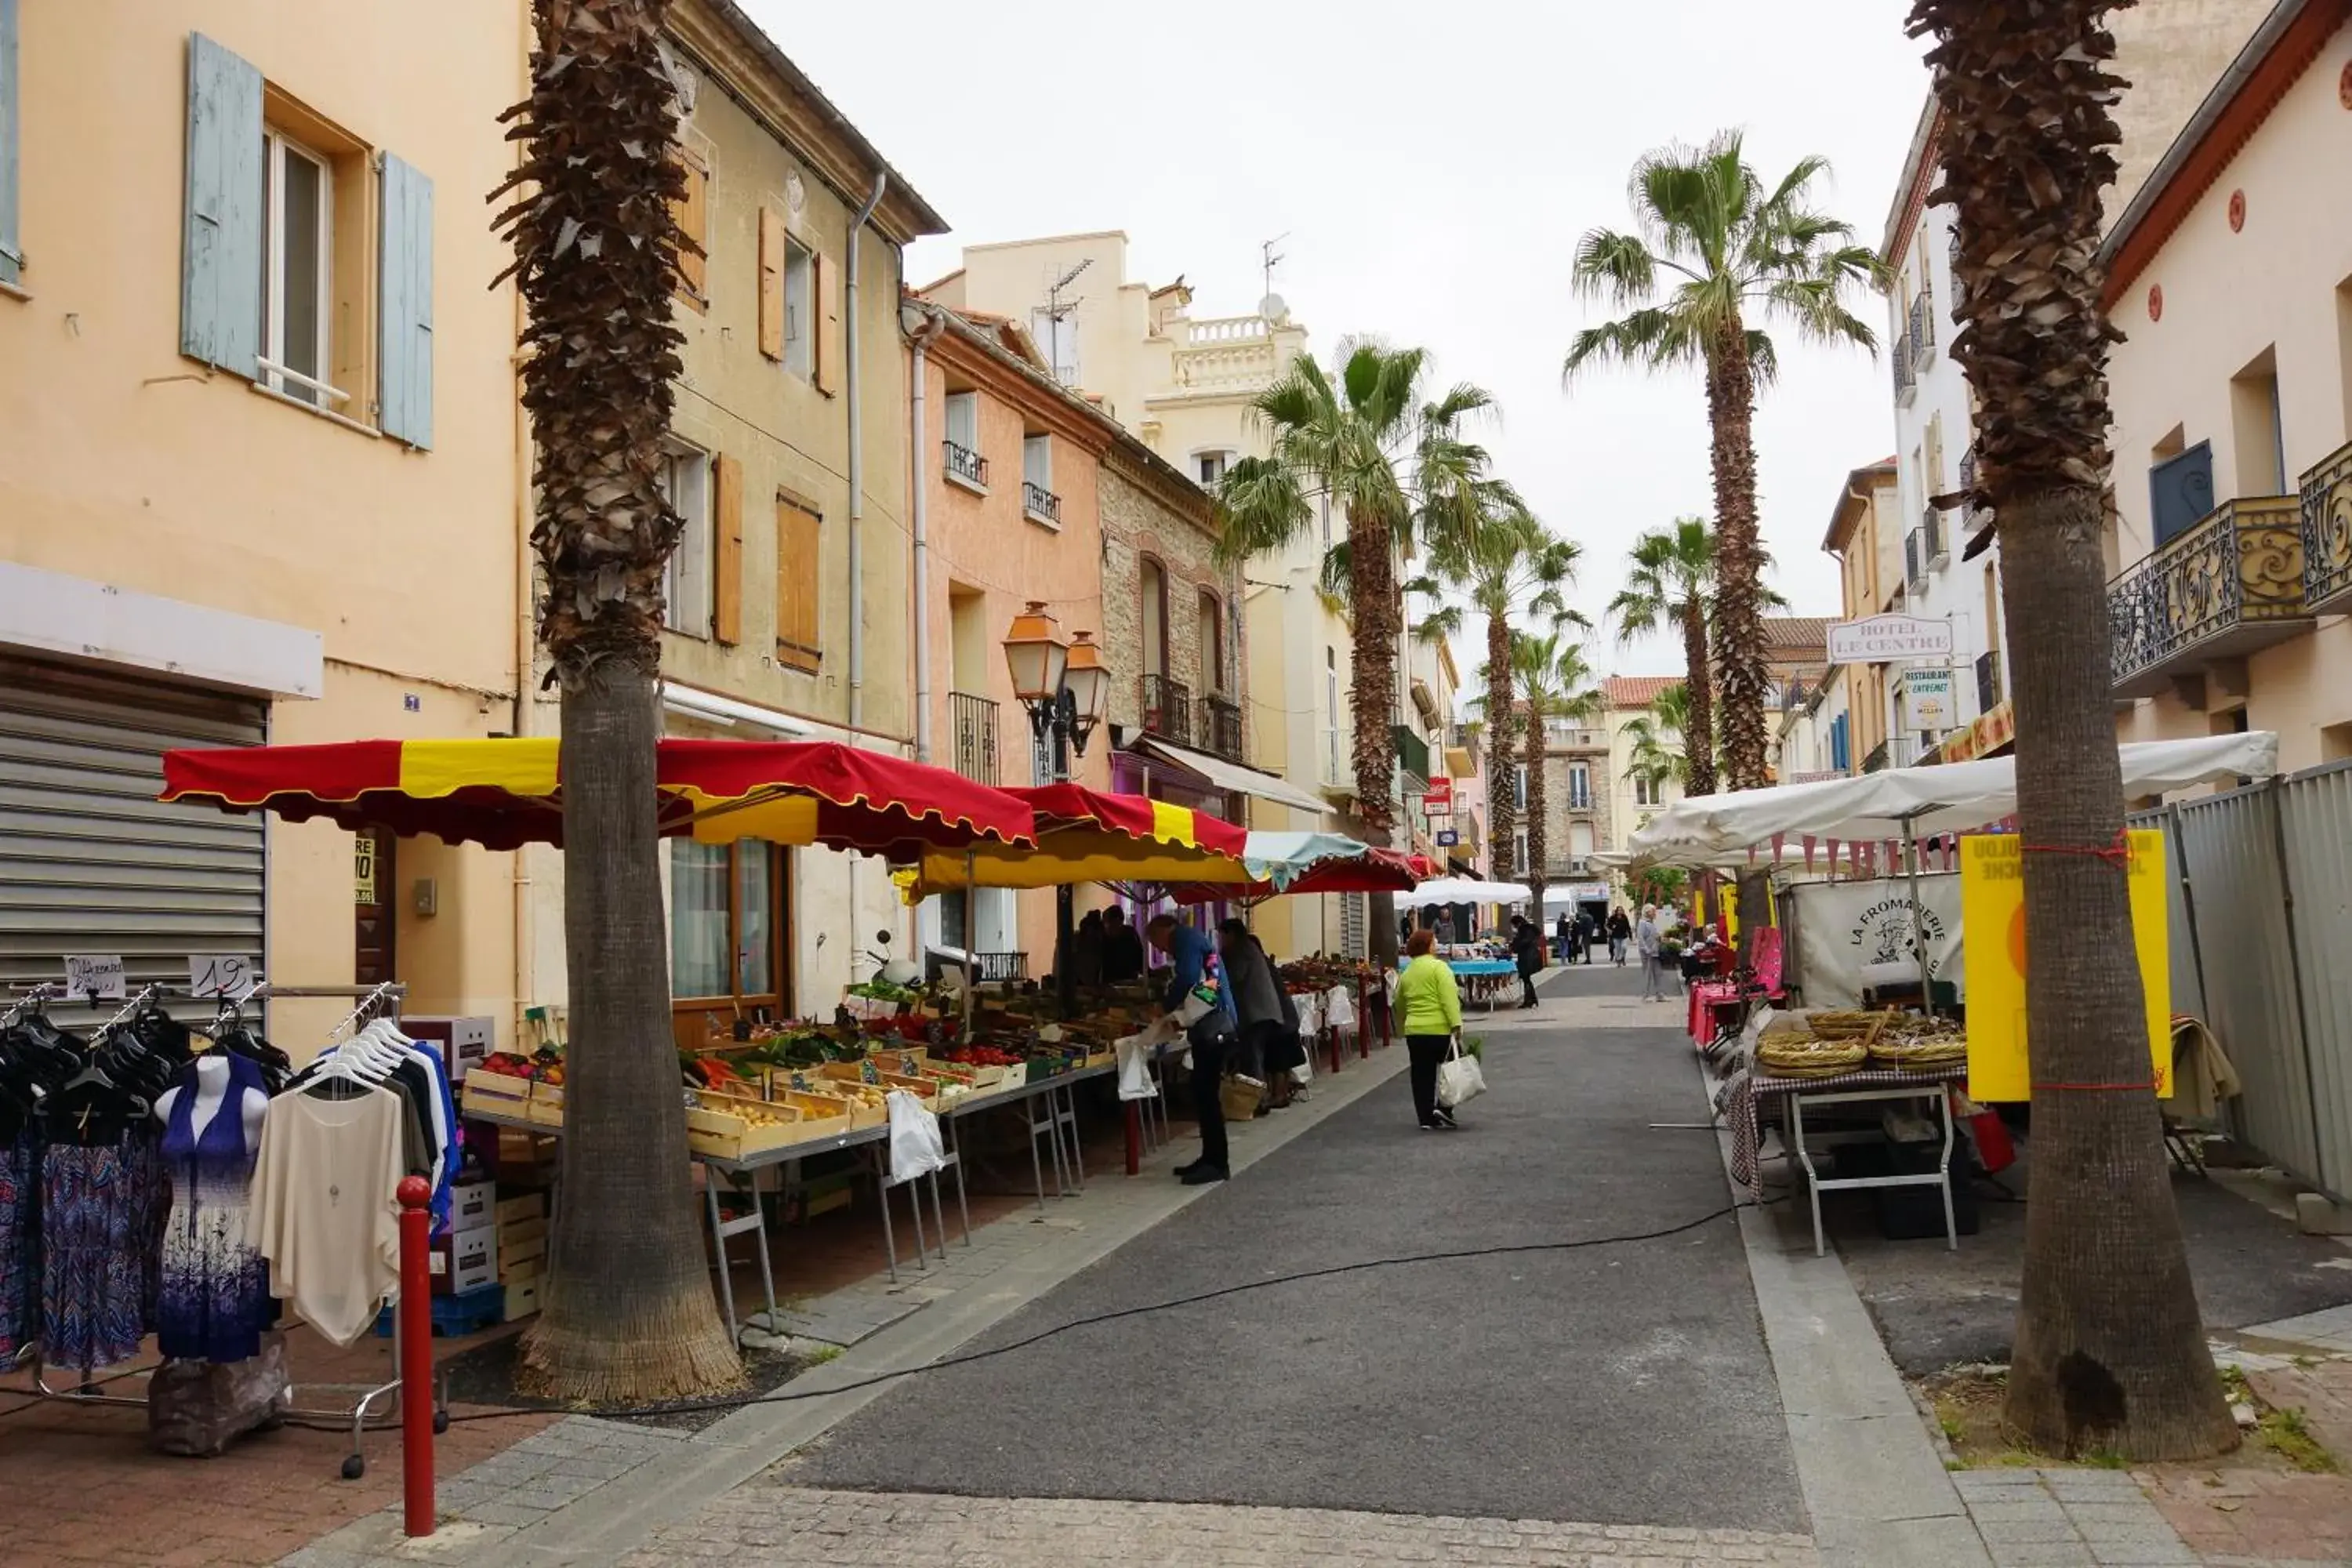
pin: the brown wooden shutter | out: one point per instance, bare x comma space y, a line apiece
726, 616
799, 639
772, 284
693, 213
829, 376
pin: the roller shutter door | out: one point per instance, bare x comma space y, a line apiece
89, 860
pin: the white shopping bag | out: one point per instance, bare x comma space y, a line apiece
1135, 1068
915, 1146
1304, 1073
1459, 1078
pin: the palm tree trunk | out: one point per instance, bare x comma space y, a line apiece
628, 1314
1739, 662
2110, 1354
1501, 811
1539, 797
1372, 667
1698, 684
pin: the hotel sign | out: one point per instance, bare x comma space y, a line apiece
1881, 639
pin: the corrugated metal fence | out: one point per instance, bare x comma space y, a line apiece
2262, 949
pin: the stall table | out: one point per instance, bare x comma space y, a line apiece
1742, 1092
1482, 978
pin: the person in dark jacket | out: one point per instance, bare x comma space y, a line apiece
1190, 953
1268, 1018
1527, 948
1567, 931
1122, 949
1621, 931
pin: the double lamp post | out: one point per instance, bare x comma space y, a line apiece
1066, 688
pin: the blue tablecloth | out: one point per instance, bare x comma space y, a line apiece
1463, 968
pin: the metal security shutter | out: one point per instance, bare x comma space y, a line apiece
89, 860
1352, 923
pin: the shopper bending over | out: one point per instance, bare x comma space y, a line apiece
1430, 1005
1211, 1037
1269, 1019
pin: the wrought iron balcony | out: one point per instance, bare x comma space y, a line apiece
974, 721
2224, 588
965, 464
1041, 503
1221, 728
1988, 681
1923, 328
1875, 762
1905, 378
2328, 533
1412, 752
1167, 710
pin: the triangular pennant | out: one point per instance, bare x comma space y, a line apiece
1809, 852
1779, 839
1833, 857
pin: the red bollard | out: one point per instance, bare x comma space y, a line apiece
415, 1321
1134, 1138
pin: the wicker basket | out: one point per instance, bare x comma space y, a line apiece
1808, 1055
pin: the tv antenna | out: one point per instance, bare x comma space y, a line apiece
1055, 309
1271, 307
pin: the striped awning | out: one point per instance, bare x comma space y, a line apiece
1087, 836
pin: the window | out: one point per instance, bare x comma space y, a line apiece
1580, 786
1331, 714
1056, 337
800, 626
1519, 851
965, 465
296, 288
1648, 791
2181, 492
1519, 785
1210, 466
1040, 756
687, 576
1154, 578
1212, 646
692, 211
1038, 502
2259, 428
727, 923
799, 309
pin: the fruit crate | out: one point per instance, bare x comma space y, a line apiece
733, 1126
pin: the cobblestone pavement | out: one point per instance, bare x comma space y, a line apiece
765, 1522
2091, 1518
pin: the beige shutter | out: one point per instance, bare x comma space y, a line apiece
693, 213
772, 284
828, 323
727, 618
799, 639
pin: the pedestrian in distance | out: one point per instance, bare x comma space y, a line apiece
1566, 933
1268, 1017
1648, 938
1527, 948
1621, 930
1430, 1005
1122, 949
1190, 954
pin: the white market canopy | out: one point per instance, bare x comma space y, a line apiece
1463, 890
1918, 802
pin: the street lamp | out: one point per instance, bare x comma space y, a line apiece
1065, 687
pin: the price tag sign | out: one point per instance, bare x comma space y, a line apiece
95, 976
219, 974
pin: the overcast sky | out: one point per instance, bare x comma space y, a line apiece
1431, 167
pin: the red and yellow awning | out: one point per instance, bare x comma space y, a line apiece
502, 794
1375, 870
1085, 835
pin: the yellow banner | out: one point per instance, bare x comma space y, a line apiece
1992, 912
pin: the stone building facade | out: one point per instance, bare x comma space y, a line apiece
1579, 798
1167, 603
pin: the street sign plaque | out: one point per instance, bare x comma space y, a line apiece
1881, 639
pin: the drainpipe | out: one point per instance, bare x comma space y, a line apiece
923, 329
856, 469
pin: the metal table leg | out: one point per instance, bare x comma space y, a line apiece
1812, 1177
719, 1246
1944, 1168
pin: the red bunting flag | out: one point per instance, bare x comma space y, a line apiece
1777, 840
1809, 852
1833, 857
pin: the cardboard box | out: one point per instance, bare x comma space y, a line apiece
463, 1259
521, 1206
514, 1270
523, 1298
470, 1205
464, 1043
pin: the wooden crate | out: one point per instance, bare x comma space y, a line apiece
546, 1103
735, 1126
495, 1094
821, 1115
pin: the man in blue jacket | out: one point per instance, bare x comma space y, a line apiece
1191, 954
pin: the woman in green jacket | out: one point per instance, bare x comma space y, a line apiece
1430, 1005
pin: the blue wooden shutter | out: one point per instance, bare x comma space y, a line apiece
404, 382
2180, 491
221, 237
12, 250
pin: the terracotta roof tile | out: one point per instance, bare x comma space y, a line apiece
1796, 633
1636, 691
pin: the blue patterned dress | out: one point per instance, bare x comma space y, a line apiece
20, 1242
214, 1298
97, 1205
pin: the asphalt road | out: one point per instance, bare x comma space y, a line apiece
1625, 1383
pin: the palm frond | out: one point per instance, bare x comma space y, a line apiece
1262, 506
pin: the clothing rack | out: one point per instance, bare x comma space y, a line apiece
375, 1001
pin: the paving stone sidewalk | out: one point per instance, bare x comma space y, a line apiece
766, 1522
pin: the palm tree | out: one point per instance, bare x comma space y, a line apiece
1554, 682
1657, 756
627, 1315
1671, 574
1509, 567
1372, 443
2109, 1352
1734, 249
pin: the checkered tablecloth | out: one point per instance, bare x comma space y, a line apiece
1736, 1103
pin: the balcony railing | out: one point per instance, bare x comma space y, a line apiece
1923, 328
1039, 502
2328, 533
1167, 710
1876, 760
1412, 752
1905, 378
965, 464
1988, 681
2225, 587
974, 721
1221, 728
1915, 562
